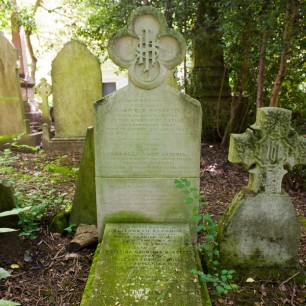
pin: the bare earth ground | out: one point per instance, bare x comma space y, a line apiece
52, 276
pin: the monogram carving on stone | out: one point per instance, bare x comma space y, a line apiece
268, 149
147, 48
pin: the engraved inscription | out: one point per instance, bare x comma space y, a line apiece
149, 137
139, 262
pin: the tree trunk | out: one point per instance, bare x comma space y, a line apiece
261, 72
292, 10
237, 104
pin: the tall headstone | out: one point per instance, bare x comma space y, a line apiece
260, 228
147, 133
76, 84
11, 107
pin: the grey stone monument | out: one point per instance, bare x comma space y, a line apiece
260, 227
146, 135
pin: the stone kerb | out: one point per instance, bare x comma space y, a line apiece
260, 227
76, 84
11, 107
146, 134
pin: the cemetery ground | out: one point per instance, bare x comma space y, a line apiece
44, 273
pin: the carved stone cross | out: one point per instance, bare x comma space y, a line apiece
43, 89
268, 149
147, 48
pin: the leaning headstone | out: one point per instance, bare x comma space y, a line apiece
76, 84
260, 228
43, 89
11, 107
7, 202
145, 264
147, 133
84, 202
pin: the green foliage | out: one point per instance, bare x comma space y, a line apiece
36, 192
12, 212
60, 169
219, 279
246, 27
6, 160
8, 303
70, 229
29, 220
4, 273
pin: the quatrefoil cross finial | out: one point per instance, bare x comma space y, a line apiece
147, 47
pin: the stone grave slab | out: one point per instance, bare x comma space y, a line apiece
145, 264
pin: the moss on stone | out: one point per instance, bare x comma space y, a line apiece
127, 217
59, 222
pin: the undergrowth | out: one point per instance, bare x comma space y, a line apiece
220, 279
37, 188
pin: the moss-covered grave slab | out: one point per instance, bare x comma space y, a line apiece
145, 264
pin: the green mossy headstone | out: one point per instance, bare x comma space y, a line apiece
11, 106
76, 84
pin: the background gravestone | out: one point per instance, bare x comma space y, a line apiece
146, 134
260, 227
76, 84
7, 202
43, 89
11, 107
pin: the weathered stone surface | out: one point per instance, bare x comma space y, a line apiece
84, 202
11, 107
76, 84
267, 149
260, 227
7, 202
145, 264
146, 134
260, 230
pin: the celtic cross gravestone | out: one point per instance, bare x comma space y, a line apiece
43, 89
260, 227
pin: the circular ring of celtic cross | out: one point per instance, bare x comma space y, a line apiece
147, 48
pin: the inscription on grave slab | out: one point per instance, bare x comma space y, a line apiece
144, 264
